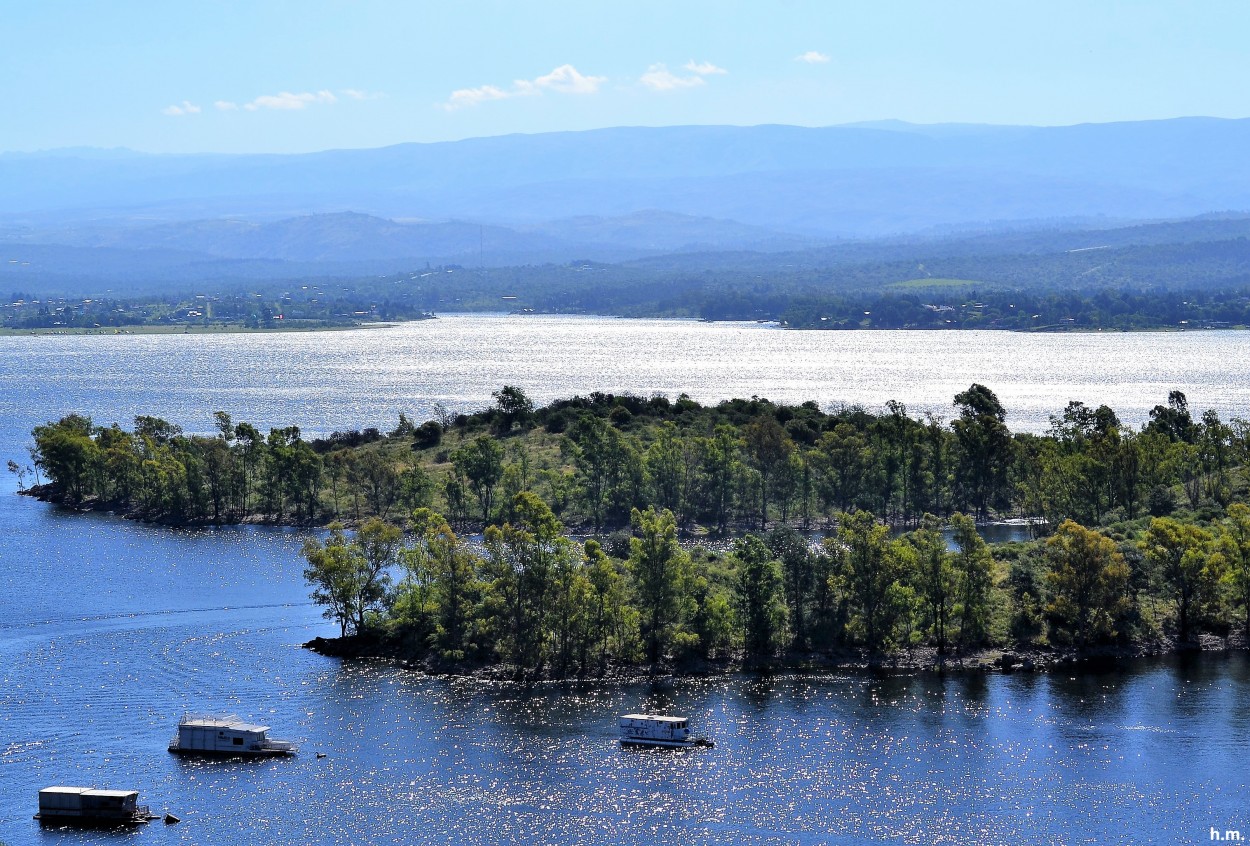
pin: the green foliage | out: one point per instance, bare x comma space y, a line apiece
660, 569
1182, 553
1088, 577
761, 604
674, 469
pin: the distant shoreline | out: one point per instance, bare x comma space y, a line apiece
294, 327
190, 329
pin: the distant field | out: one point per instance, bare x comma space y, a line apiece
935, 283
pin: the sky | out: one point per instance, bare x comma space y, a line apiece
283, 77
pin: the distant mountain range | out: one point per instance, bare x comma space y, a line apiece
625, 194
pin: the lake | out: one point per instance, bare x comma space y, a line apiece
110, 630
324, 381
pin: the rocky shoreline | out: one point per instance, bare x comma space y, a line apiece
1022, 659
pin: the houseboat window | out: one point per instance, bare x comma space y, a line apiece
238, 741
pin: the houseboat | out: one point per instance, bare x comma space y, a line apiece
228, 735
88, 806
656, 730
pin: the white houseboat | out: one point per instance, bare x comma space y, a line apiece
656, 730
228, 735
88, 806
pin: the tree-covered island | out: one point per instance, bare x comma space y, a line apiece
625, 531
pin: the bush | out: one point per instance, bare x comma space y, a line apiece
428, 434
1161, 502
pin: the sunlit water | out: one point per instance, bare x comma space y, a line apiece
332, 380
110, 630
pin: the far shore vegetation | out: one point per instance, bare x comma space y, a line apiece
624, 531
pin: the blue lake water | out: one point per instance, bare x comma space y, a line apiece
109, 630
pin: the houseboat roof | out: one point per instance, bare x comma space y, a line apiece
230, 722
654, 717
61, 789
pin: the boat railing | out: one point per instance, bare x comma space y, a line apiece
216, 718
281, 746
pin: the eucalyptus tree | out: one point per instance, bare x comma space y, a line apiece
935, 577
660, 568
872, 567
1233, 543
719, 466
974, 565
984, 448
1088, 579
350, 577
1182, 553
760, 604
798, 571
480, 464
523, 558
767, 448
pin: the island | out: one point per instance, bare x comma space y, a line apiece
609, 534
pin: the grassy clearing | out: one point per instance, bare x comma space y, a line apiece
919, 284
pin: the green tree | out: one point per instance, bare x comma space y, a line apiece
443, 562
872, 566
66, 454
1234, 545
523, 558
799, 573
975, 566
480, 464
718, 468
378, 543
1088, 578
512, 406
1181, 552
608, 621
350, 577
767, 447
936, 577
660, 567
984, 448
333, 573
760, 603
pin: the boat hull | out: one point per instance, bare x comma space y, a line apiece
694, 743
93, 820
232, 753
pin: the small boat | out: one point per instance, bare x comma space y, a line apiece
226, 735
658, 730
87, 806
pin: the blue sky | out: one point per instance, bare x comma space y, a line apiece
301, 76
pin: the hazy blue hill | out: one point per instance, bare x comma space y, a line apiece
661, 231
849, 180
355, 237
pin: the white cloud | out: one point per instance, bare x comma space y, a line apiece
703, 68
813, 57
464, 97
356, 94
187, 108
286, 101
565, 79
226, 106
660, 78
